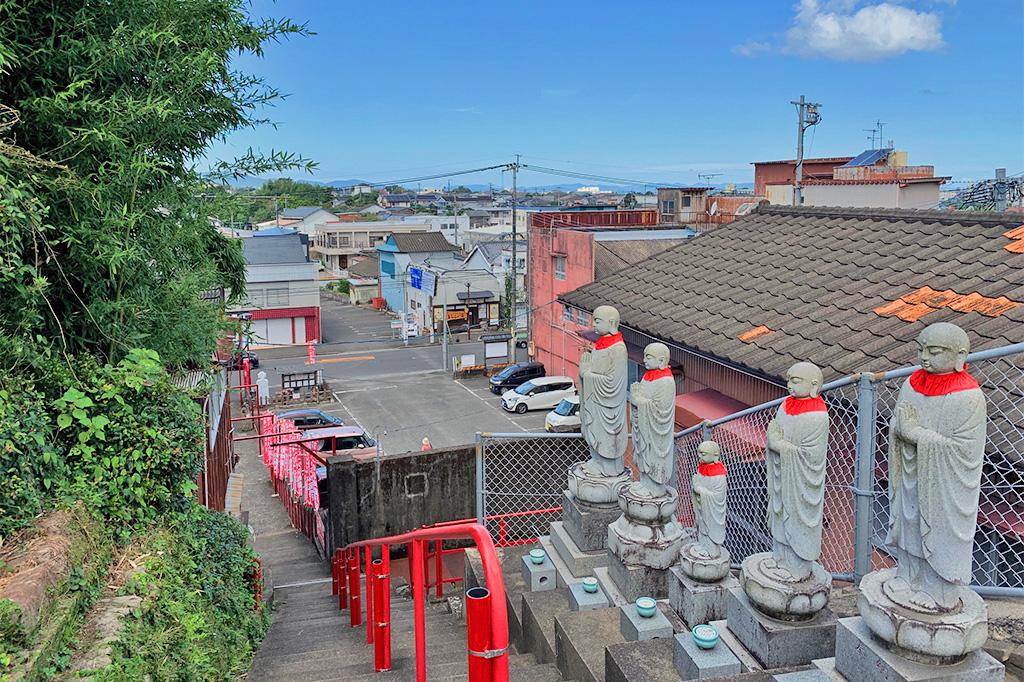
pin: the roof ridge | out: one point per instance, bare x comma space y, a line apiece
984, 218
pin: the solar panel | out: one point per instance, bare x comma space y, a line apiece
868, 158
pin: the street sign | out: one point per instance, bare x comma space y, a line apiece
457, 315
416, 278
428, 282
310, 353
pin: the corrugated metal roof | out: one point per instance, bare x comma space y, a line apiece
274, 250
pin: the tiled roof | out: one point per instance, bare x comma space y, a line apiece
826, 284
421, 242
875, 181
300, 211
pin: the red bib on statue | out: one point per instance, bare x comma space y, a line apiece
607, 341
933, 385
794, 406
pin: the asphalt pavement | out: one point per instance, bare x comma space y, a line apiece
384, 385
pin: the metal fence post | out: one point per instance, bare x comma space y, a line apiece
480, 514
863, 488
707, 431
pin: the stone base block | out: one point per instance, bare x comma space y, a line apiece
539, 612
697, 602
587, 524
596, 489
579, 562
636, 628
634, 582
581, 600
694, 663
580, 641
562, 575
862, 656
812, 675
934, 638
647, 661
777, 643
538, 577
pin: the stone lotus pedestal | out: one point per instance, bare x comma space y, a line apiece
936, 638
695, 564
591, 503
782, 621
643, 543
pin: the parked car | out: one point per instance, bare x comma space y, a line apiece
235, 361
310, 418
565, 417
538, 394
514, 375
337, 439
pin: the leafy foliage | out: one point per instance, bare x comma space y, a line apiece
105, 246
29, 464
197, 620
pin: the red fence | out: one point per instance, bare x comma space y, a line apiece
595, 218
220, 459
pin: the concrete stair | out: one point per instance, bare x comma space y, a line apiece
312, 641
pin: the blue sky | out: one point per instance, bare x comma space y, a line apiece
651, 91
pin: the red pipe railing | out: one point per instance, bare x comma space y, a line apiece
486, 617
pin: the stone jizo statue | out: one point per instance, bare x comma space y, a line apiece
795, 465
603, 378
710, 492
653, 402
936, 452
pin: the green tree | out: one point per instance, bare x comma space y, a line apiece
106, 244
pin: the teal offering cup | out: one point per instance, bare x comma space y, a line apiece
646, 607
537, 556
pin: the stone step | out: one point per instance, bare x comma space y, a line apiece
609, 586
539, 610
580, 641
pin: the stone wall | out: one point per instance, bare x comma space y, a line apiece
372, 499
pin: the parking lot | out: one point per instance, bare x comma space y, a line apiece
448, 412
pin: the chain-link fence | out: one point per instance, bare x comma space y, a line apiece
519, 477
521, 473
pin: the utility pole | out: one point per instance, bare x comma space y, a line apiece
515, 236
1000, 191
807, 116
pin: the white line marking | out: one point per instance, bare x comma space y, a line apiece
499, 410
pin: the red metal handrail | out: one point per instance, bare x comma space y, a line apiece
487, 636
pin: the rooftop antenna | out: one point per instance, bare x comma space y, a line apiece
707, 177
874, 132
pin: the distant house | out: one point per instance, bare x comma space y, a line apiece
771, 178
478, 217
496, 256
337, 242
362, 279
453, 227
398, 253
306, 218
282, 297
570, 249
373, 209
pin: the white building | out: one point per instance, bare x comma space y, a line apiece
282, 297
304, 218
452, 227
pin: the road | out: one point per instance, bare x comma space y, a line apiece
384, 385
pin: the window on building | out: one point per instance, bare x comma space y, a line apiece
346, 240
668, 206
277, 296
583, 317
568, 314
559, 267
686, 201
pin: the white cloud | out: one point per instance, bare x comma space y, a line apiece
752, 48
869, 33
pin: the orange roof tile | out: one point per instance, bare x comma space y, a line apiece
915, 305
752, 334
1017, 235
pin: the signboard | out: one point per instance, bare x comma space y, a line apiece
310, 353
496, 349
457, 315
429, 282
416, 278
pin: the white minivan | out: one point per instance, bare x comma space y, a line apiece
541, 393
565, 418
